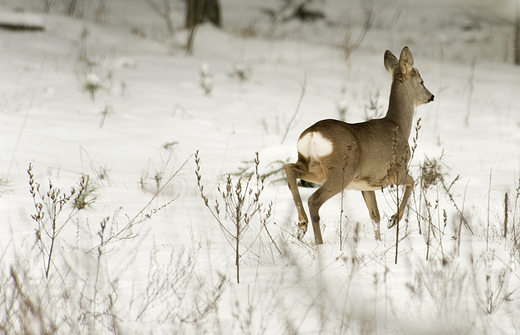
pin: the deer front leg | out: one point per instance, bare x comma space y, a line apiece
293, 171
409, 182
370, 201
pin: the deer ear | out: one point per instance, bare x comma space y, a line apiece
391, 62
406, 61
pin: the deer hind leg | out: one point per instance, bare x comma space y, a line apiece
370, 200
332, 186
408, 182
293, 172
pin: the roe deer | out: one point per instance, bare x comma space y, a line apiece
363, 156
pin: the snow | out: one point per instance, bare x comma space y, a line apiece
153, 107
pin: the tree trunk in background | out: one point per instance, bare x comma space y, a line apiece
198, 11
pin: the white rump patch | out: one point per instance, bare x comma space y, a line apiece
314, 145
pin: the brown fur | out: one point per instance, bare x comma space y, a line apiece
365, 156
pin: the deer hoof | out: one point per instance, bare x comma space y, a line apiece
393, 221
302, 229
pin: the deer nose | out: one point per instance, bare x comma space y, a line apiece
431, 99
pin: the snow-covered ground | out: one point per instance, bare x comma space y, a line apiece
111, 96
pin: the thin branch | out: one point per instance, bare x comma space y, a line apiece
288, 127
134, 219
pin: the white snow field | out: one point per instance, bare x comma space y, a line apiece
107, 103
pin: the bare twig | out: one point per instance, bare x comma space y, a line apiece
350, 46
138, 218
241, 203
297, 109
49, 207
164, 10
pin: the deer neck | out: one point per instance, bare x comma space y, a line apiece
400, 108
